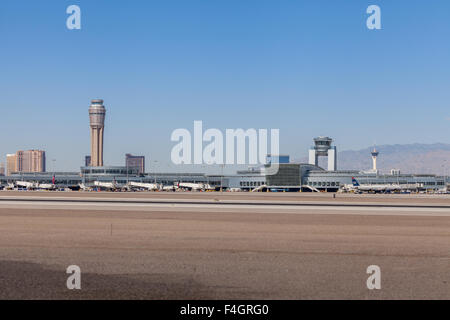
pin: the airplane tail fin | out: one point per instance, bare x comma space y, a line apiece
355, 182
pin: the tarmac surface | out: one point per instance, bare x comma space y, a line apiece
189, 245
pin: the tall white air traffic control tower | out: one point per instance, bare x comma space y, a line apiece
374, 154
323, 147
97, 118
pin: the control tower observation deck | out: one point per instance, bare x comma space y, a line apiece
97, 122
323, 147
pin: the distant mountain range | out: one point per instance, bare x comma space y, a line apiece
409, 158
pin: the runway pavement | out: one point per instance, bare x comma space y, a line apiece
223, 246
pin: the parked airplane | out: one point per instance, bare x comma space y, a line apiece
443, 191
170, 188
140, 185
83, 187
46, 186
260, 188
190, 186
357, 187
109, 186
208, 187
195, 186
25, 184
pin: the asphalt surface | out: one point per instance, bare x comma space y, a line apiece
199, 246
258, 196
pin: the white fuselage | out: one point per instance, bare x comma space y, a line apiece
193, 186
380, 187
106, 185
46, 186
148, 186
25, 184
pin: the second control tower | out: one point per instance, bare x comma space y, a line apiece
97, 118
374, 154
323, 147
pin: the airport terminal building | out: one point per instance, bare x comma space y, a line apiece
290, 177
305, 177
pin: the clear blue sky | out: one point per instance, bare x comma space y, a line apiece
308, 68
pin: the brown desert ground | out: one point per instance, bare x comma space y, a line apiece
191, 245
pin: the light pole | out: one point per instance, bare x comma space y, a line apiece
444, 171
445, 167
54, 171
155, 161
206, 175
445, 174
221, 179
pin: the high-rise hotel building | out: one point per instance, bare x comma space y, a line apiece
25, 161
10, 164
137, 162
